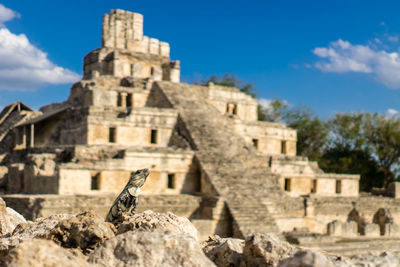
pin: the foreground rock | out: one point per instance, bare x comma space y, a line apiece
262, 250
140, 248
153, 239
85, 231
225, 252
46, 253
9, 219
154, 221
266, 250
305, 258
30, 230
382, 259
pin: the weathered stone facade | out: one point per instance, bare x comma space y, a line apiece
211, 160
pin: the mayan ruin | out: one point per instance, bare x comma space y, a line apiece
210, 159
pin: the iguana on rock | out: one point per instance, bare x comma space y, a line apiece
128, 199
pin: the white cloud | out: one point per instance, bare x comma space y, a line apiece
342, 56
392, 112
7, 14
25, 67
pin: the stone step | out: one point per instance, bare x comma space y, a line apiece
235, 169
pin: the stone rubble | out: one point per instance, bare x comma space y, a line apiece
44, 253
224, 252
9, 219
154, 221
157, 248
154, 239
85, 231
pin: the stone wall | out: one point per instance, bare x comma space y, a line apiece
127, 52
324, 209
35, 206
298, 176
124, 30
268, 138
232, 102
172, 172
121, 97
141, 127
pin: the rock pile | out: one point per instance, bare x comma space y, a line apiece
149, 239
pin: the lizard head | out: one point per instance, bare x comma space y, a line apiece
139, 177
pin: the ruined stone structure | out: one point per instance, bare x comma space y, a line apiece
210, 158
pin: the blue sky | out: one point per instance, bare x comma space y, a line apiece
333, 56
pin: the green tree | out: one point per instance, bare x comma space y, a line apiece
383, 140
347, 130
347, 151
363, 143
272, 111
344, 159
312, 132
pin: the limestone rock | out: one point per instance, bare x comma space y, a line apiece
9, 219
224, 251
266, 250
392, 229
85, 231
339, 228
3, 217
37, 252
372, 230
39, 228
305, 258
152, 221
13, 218
31, 230
142, 248
371, 259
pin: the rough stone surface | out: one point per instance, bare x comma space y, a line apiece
372, 230
383, 259
3, 217
306, 258
224, 251
266, 250
154, 221
44, 253
142, 248
85, 231
31, 230
13, 218
339, 228
9, 219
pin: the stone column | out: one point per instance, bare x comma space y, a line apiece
32, 139
174, 71
16, 137
123, 99
24, 136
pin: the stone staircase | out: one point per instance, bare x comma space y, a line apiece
232, 166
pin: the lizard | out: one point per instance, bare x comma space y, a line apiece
128, 198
